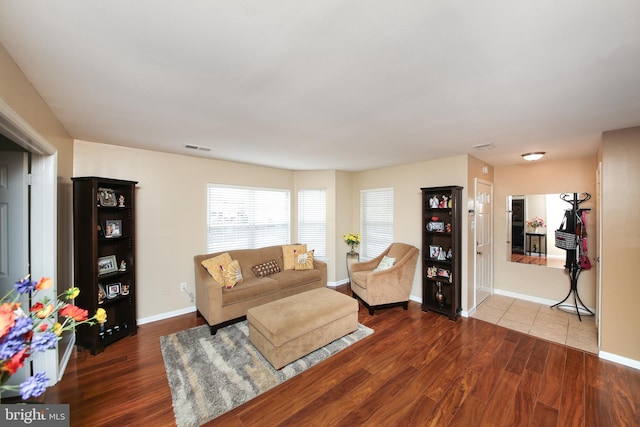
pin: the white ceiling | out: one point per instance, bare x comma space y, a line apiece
334, 84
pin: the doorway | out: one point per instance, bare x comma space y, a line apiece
483, 235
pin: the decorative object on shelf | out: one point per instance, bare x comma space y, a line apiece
353, 240
435, 226
25, 331
434, 251
101, 293
123, 266
112, 228
534, 223
439, 295
434, 202
441, 254
113, 290
107, 197
107, 264
125, 289
121, 201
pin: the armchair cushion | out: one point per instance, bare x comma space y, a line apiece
385, 264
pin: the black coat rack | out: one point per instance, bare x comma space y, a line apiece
572, 265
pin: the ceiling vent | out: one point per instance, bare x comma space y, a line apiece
483, 146
196, 147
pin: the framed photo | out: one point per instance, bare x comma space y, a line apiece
112, 228
107, 264
107, 197
434, 251
113, 290
101, 293
435, 226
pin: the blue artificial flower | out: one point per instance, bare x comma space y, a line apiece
21, 327
10, 346
25, 285
34, 386
43, 341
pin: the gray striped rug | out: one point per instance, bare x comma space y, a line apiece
212, 374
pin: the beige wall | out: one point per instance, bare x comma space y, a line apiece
20, 95
572, 175
171, 211
620, 317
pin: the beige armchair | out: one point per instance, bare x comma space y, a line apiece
379, 289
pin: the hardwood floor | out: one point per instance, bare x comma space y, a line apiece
416, 369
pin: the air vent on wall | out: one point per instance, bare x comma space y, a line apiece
196, 147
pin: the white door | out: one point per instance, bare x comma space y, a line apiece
484, 240
14, 230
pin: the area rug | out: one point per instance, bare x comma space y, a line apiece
212, 374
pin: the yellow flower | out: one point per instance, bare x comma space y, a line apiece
72, 293
101, 315
57, 328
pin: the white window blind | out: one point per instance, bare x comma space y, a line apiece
312, 220
376, 219
246, 217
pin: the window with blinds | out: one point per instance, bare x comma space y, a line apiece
246, 217
312, 220
376, 219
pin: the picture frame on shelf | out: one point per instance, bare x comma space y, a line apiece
107, 197
107, 264
112, 228
435, 226
113, 290
434, 251
101, 293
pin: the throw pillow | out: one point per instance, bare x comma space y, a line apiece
216, 267
385, 263
266, 268
304, 261
233, 275
288, 253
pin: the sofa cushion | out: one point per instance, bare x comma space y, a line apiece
291, 278
216, 267
303, 261
233, 275
288, 254
266, 268
252, 288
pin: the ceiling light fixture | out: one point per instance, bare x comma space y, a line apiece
532, 157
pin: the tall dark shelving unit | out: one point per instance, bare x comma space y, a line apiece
104, 233
442, 250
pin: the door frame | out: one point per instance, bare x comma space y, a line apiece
475, 240
43, 218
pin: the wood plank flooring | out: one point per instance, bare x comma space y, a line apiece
416, 369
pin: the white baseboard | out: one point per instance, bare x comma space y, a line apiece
530, 298
619, 359
168, 315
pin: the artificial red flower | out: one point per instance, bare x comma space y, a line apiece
44, 283
16, 362
7, 319
76, 313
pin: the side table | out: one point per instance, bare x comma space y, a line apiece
351, 258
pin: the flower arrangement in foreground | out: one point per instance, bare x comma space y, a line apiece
535, 222
352, 239
23, 333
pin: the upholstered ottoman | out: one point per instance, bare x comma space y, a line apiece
289, 328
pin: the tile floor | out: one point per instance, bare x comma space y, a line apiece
539, 320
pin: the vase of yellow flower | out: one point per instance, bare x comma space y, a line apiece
352, 239
38, 328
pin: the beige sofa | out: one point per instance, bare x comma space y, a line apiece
221, 306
